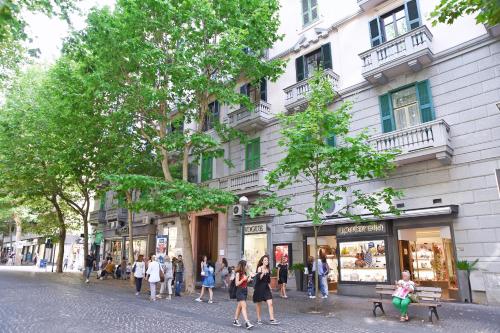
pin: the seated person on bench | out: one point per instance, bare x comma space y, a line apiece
109, 270
401, 298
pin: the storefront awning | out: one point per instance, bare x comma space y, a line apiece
411, 213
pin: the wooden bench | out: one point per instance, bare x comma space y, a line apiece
429, 297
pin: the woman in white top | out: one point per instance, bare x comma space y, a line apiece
169, 275
153, 274
139, 271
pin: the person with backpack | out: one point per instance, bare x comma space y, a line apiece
262, 291
323, 269
241, 283
208, 281
139, 270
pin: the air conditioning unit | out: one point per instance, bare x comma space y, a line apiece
336, 206
237, 210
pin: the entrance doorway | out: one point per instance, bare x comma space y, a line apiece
329, 245
429, 256
206, 240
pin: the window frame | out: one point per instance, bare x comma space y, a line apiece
207, 174
309, 11
252, 159
394, 22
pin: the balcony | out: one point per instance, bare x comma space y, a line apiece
404, 54
368, 4
430, 140
242, 183
97, 216
296, 95
116, 214
245, 120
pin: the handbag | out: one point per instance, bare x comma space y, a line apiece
162, 275
413, 298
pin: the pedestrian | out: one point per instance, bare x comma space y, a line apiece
323, 270
203, 273
241, 281
139, 271
401, 297
283, 276
179, 275
108, 270
65, 263
109, 257
224, 272
311, 271
123, 269
153, 276
35, 259
208, 281
89, 265
169, 275
262, 291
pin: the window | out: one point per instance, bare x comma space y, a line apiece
363, 261
406, 107
394, 23
253, 93
206, 168
102, 201
212, 116
309, 11
252, 155
192, 173
306, 64
331, 140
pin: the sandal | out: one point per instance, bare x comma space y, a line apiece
406, 318
402, 319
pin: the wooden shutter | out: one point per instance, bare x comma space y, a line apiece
206, 168
425, 101
412, 14
375, 32
326, 56
386, 113
299, 68
102, 201
331, 141
252, 155
263, 90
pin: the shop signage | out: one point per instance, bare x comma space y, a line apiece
98, 237
255, 229
362, 228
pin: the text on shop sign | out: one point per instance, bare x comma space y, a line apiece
255, 229
361, 229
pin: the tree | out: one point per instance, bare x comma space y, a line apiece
157, 58
320, 153
447, 11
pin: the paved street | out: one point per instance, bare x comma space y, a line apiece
44, 302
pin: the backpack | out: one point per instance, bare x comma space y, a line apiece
133, 268
326, 268
232, 289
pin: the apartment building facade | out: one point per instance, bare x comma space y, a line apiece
430, 91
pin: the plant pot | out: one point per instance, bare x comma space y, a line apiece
274, 282
299, 280
464, 286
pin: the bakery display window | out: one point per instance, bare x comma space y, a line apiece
363, 261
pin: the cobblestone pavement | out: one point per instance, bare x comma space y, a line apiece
45, 302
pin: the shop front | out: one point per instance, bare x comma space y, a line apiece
255, 244
116, 242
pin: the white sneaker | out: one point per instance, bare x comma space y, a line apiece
236, 323
326, 296
198, 300
87, 281
312, 297
210, 302
137, 294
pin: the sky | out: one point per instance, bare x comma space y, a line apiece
48, 33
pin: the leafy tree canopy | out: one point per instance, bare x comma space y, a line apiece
447, 11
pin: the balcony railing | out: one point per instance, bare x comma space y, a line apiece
416, 143
116, 214
244, 182
295, 95
408, 52
245, 120
97, 216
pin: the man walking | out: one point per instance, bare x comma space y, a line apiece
89, 265
179, 275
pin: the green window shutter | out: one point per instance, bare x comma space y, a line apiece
425, 101
206, 168
386, 113
252, 155
299, 68
412, 15
121, 202
375, 32
263, 90
331, 141
102, 202
326, 56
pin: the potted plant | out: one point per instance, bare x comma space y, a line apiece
464, 268
274, 278
298, 271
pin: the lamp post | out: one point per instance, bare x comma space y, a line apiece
244, 204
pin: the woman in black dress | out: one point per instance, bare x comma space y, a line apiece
283, 276
262, 289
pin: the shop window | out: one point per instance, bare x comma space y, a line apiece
428, 254
327, 244
139, 248
255, 248
409, 106
309, 11
363, 261
116, 251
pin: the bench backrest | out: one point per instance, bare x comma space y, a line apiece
423, 293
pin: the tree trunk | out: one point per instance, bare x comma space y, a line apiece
187, 253
130, 218
62, 234
316, 275
85, 237
19, 232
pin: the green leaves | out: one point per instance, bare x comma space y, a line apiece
447, 11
